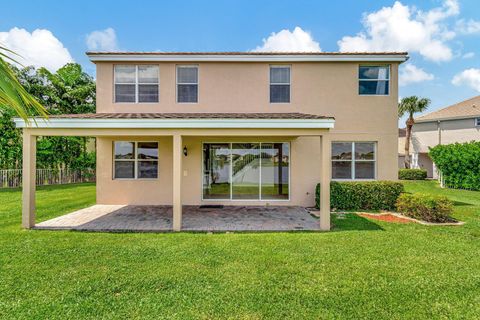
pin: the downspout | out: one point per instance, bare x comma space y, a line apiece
439, 129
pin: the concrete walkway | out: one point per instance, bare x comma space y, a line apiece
159, 219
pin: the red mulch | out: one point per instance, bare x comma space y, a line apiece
385, 217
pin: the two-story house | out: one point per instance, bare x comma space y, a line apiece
459, 122
232, 128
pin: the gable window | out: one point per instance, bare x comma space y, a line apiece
187, 84
135, 160
374, 80
353, 160
279, 84
136, 83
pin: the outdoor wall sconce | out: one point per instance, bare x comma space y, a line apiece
185, 151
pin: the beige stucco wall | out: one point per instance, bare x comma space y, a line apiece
304, 166
329, 89
324, 88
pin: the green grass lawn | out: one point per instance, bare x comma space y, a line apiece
363, 269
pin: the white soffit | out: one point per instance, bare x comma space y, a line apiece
77, 123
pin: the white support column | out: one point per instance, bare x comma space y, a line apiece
326, 172
28, 179
177, 182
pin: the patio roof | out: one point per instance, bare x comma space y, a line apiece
182, 120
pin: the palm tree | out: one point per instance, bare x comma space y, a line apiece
410, 106
12, 93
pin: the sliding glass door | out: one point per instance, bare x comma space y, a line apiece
275, 171
216, 171
246, 171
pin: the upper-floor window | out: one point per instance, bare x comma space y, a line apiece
279, 84
477, 122
136, 83
353, 160
135, 160
374, 80
187, 84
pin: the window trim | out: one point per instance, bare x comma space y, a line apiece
136, 83
353, 160
197, 84
135, 161
387, 80
289, 82
230, 199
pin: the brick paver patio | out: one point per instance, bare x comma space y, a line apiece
159, 218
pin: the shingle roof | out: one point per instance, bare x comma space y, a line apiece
466, 109
292, 116
234, 53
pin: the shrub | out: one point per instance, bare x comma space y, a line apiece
459, 164
365, 195
425, 207
412, 174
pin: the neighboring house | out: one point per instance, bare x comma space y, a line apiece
457, 123
233, 128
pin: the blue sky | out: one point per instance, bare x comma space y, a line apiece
442, 36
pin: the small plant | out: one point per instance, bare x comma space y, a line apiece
425, 207
365, 195
412, 174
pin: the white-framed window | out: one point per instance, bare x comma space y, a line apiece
354, 160
279, 84
136, 83
477, 122
135, 160
374, 80
187, 83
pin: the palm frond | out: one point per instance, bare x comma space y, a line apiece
13, 94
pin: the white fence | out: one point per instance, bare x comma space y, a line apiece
12, 178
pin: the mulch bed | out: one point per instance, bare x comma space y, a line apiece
385, 217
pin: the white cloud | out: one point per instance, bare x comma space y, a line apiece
468, 55
410, 73
285, 40
468, 27
404, 28
39, 48
102, 40
468, 77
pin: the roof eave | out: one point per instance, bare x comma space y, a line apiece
79, 123
123, 57
447, 118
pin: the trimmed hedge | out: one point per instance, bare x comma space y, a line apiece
412, 174
365, 195
425, 207
459, 164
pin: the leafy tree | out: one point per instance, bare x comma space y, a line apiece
10, 141
410, 106
67, 91
12, 94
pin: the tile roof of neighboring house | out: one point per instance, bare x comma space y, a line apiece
292, 116
234, 53
402, 133
466, 109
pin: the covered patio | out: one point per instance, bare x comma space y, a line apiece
129, 218
183, 211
